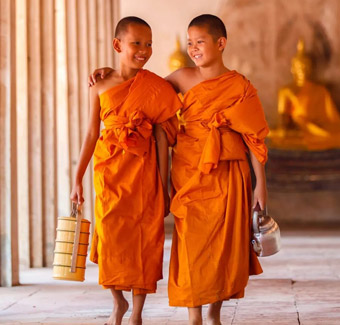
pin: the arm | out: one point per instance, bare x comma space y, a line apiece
311, 127
88, 146
163, 156
260, 192
103, 72
285, 121
183, 79
172, 79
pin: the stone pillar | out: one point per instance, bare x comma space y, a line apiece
62, 112
22, 132
9, 262
49, 149
48, 48
35, 132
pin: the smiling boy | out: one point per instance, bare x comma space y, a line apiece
222, 121
130, 187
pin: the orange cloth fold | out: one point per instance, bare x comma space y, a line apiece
211, 257
212, 149
171, 129
131, 133
129, 207
136, 291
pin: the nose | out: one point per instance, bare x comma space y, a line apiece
193, 47
143, 49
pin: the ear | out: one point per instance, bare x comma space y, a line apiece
116, 43
222, 43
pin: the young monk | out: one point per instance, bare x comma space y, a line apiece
130, 189
221, 122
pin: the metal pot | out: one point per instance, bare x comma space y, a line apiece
266, 234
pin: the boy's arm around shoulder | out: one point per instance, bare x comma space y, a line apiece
88, 146
100, 72
179, 77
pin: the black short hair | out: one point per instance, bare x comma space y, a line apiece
124, 23
215, 25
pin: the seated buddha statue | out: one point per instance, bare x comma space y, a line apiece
308, 118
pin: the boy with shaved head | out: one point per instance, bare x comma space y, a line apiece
131, 191
221, 122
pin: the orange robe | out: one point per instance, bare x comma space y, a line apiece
129, 209
211, 257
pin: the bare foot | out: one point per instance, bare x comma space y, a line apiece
118, 312
135, 321
195, 322
213, 322
214, 313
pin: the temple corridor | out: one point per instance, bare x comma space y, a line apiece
300, 285
48, 49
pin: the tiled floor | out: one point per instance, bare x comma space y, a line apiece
300, 285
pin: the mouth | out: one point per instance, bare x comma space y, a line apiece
197, 56
140, 58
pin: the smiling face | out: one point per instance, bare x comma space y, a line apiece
202, 48
134, 46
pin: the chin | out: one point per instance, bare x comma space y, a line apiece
198, 63
201, 64
138, 66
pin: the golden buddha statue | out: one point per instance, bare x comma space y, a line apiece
308, 118
177, 59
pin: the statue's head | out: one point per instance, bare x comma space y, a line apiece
178, 58
301, 67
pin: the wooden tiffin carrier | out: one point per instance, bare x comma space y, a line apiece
71, 246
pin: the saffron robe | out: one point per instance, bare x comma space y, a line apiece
129, 207
211, 256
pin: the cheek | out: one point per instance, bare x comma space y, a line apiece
202, 49
127, 51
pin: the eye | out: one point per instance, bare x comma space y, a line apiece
137, 43
200, 42
189, 43
149, 45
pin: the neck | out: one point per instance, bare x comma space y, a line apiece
127, 73
300, 82
212, 71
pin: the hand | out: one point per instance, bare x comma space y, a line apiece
77, 194
260, 197
166, 204
102, 72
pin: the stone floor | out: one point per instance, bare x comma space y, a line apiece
300, 285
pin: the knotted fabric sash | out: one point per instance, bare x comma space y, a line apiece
212, 148
221, 143
131, 133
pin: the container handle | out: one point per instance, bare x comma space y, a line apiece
258, 214
76, 212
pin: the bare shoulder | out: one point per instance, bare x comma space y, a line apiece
181, 73
181, 79
110, 81
95, 89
